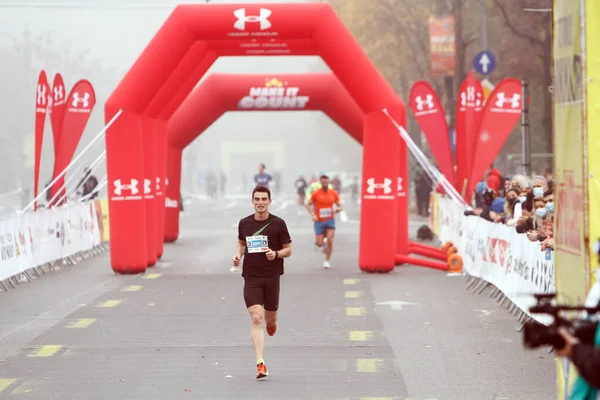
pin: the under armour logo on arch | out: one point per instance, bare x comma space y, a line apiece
242, 18
386, 186
85, 100
132, 186
514, 101
422, 103
147, 186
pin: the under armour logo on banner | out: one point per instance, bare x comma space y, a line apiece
157, 184
59, 93
470, 97
242, 18
132, 186
85, 100
386, 186
147, 186
514, 101
41, 95
427, 102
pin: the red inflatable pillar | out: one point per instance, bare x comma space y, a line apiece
161, 183
172, 206
377, 248
398, 112
125, 175
149, 146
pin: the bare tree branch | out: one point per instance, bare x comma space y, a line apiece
514, 29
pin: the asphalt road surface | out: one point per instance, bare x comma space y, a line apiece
181, 330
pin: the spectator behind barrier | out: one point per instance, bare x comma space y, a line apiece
527, 205
520, 202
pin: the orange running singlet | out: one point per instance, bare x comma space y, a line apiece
323, 202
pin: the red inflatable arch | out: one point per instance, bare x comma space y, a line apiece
220, 93
183, 49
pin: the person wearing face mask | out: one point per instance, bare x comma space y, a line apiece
512, 198
540, 214
519, 199
540, 186
547, 228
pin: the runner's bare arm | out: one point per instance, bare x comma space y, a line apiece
240, 248
338, 206
286, 251
309, 204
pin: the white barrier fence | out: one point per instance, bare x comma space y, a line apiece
499, 255
33, 239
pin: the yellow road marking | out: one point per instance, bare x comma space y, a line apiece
355, 311
4, 383
23, 388
352, 295
351, 281
47, 351
110, 303
152, 276
132, 288
81, 323
360, 336
371, 365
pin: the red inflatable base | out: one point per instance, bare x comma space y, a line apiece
129, 270
170, 237
421, 262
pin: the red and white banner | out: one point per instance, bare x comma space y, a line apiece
429, 113
442, 46
41, 106
498, 254
469, 106
56, 107
80, 104
500, 114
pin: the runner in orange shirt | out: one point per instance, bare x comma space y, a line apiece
323, 200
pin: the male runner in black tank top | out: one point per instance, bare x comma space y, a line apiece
264, 241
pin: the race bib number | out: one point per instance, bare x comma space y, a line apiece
325, 212
257, 244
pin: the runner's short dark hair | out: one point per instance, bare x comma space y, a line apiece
261, 189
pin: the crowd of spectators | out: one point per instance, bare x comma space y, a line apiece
527, 204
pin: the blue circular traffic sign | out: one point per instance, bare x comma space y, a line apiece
484, 62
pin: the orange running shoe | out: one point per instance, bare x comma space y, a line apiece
261, 371
271, 329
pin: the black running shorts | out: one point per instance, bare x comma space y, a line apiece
262, 291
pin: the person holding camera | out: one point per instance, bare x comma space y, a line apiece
584, 349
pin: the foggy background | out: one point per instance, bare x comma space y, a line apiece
99, 41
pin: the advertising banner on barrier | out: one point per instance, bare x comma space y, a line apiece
33, 239
499, 255
572, 272
102, 212
592, 58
